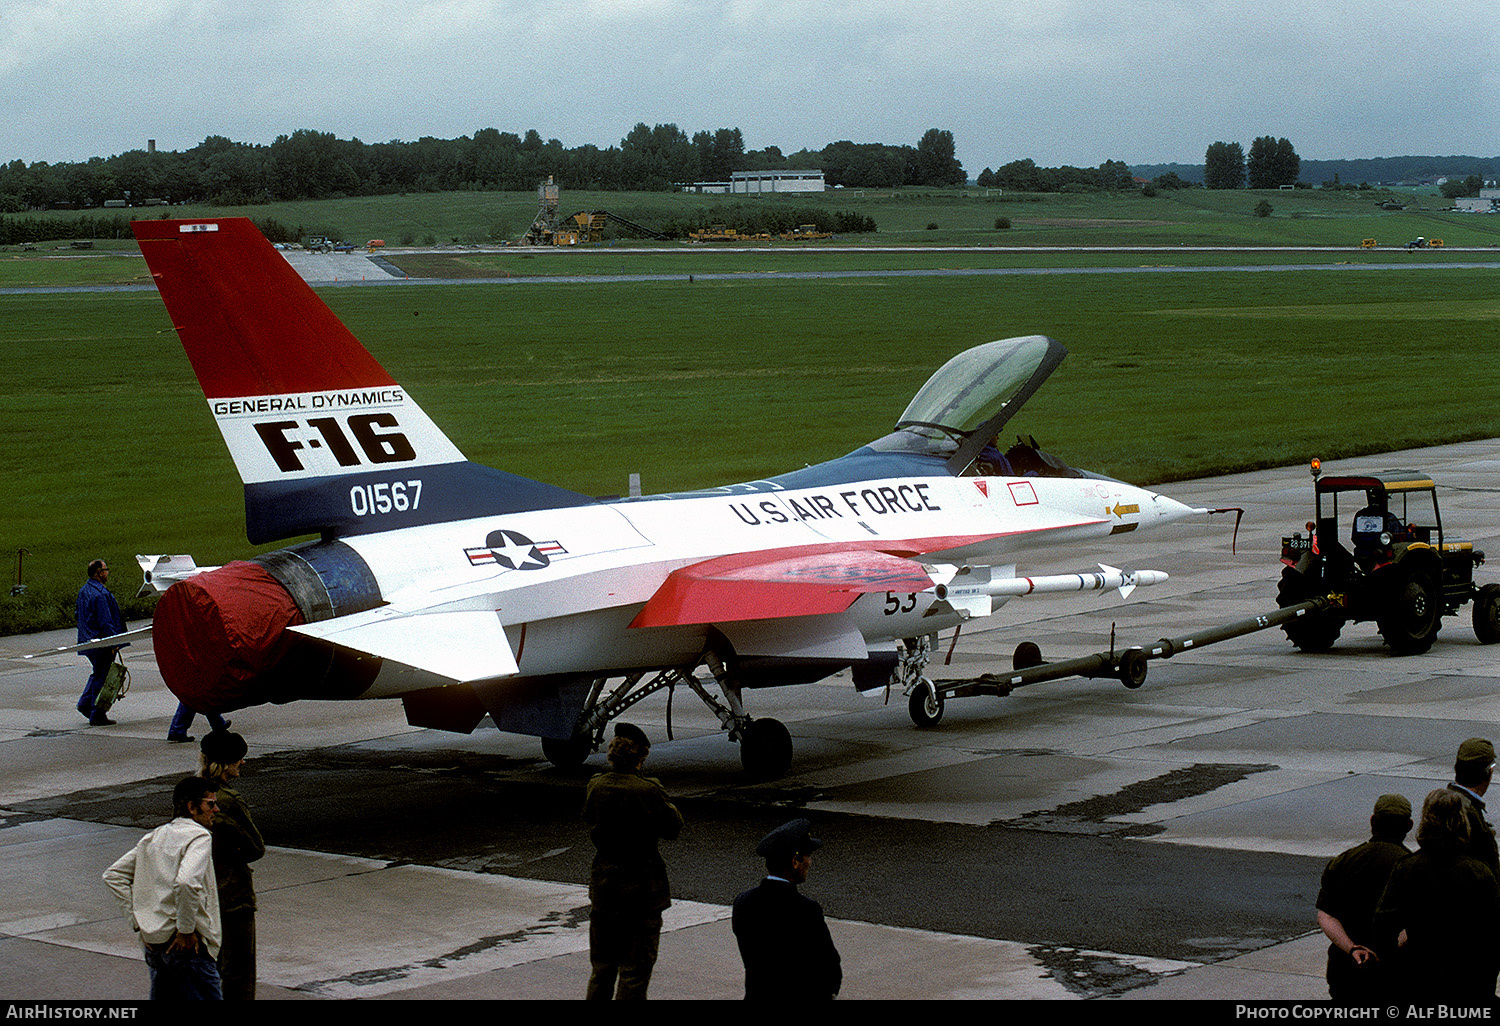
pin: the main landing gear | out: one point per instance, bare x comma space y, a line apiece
765, 743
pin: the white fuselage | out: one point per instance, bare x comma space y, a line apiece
565, 601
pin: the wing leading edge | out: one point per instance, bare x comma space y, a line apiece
762, 586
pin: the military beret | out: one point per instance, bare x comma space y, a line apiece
630, 732
223, 747
1476, 749
1392, 805
787, 840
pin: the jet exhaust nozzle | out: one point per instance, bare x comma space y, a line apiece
221, 636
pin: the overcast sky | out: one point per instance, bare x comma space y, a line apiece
1060, 81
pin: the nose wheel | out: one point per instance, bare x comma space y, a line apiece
925, 704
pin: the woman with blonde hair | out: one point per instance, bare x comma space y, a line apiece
1440, 908
237, 843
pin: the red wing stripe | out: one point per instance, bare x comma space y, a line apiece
806, 581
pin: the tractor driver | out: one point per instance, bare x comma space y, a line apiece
1370, 523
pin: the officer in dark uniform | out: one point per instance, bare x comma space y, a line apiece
1472, 770
1351, 889
783, 938
627, 813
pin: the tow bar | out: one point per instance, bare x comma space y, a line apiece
1128, 666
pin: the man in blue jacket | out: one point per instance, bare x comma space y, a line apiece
98, 617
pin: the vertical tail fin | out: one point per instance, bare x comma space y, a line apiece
324, 438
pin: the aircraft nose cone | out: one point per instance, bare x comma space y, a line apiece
1164, 508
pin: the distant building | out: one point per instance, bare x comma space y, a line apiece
1487, 202
755, 182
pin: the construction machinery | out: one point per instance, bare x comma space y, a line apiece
552, 229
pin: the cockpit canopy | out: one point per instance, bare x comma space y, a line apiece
963, 406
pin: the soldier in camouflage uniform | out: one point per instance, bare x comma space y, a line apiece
627, 813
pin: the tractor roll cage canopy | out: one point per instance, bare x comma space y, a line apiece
1375, 484
1402, 483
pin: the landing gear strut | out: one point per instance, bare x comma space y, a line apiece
924, 699
765, 743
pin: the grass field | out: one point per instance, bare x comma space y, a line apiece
963, 217
114, 453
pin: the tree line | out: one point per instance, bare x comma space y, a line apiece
1272, 164
1026, 176
308, 164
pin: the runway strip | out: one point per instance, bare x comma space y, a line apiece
351, 271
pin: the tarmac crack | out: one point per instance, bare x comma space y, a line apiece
1094, 815
549, 924
1093, 973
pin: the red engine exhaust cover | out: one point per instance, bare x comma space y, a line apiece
216, 632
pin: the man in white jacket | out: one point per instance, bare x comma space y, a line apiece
166, 887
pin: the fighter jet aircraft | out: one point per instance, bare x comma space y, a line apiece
466, 591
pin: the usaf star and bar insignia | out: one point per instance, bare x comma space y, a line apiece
512, 550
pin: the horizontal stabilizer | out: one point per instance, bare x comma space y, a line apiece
113, 641
466, 645
765, 585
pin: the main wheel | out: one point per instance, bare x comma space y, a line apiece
1315, 632
925, 706
766, 750
1487, 614
566, 753
1413, 614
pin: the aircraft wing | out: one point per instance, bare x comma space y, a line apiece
460, 645
767, 585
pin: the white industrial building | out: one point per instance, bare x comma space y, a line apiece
754, 182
